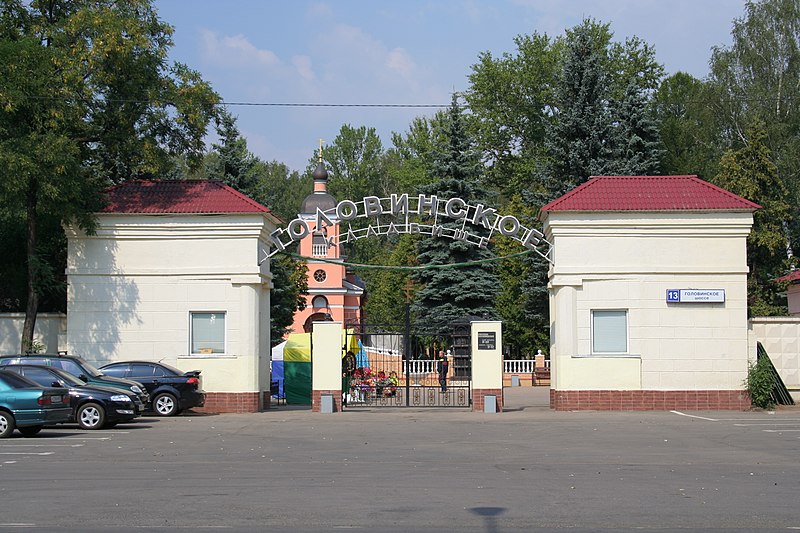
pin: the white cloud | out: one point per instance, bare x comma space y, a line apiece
399, 61
253, 73
302, 65
235, 51
356, 66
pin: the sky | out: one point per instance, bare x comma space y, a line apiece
395, 52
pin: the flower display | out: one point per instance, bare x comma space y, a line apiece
365, 379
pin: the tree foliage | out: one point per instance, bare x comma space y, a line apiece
755, 84
751, 173
689, 127
289, 289
448, 294
87, 99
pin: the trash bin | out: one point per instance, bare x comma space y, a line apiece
490, 403
326, 403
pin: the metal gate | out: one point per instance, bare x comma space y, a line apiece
395, 367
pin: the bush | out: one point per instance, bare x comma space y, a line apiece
760, 383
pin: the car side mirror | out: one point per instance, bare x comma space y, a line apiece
83, 377
55, 384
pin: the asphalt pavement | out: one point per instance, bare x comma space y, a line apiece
386, 470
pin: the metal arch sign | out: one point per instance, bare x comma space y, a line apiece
421, 214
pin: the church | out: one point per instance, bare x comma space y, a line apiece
334, 292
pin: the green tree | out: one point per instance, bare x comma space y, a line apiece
751, 173
510, 98
230, 160
289, 288
689, 128
87, 99
756, 80
524, 332
578, 137
637, 148
386, 288
280, 189
354, 164
448, 294
409, 161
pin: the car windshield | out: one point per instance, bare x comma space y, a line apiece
89, 369
69, 379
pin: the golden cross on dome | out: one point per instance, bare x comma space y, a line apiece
320, 149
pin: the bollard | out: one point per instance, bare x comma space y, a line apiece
326, 403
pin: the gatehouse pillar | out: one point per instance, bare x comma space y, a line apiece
326, 364
487, 364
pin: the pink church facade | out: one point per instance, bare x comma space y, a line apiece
334, 293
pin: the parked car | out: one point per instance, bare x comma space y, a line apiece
79, 368
93, 407
172, 390
29, 407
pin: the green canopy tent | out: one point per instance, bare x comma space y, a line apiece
297, 369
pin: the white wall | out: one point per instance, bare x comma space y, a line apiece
628, 261
50, 330
133, 285
780, 337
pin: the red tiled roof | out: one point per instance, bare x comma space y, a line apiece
649, 193
794, 277
178, 196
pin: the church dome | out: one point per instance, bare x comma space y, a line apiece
321, 200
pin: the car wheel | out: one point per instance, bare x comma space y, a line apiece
30, 431
91, 416
165, 404
7, 424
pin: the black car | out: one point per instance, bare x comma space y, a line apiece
172, 390
79, 368
93, 407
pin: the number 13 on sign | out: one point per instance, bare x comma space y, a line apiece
673, 295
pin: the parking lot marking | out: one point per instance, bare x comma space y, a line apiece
695, 416
759, 418
82, 438
27, 453
767, 424
779, 430
43, 445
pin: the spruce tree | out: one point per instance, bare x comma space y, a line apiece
233, 163
578, 135
452, 293
637, 148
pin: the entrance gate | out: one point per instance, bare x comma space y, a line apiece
395, 367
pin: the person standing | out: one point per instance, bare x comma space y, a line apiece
348, 367
442, 366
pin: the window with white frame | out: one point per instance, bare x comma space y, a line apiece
207, 332
610, 331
